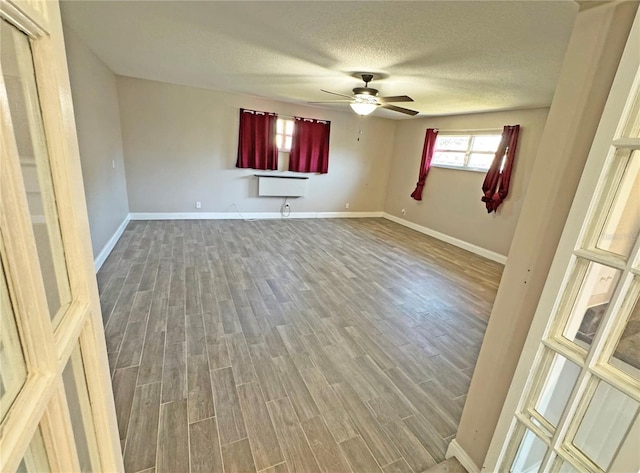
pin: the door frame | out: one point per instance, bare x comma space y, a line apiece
42, 400
625, 84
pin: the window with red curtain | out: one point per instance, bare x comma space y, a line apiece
310, 146
425, 164
496, 183
257, 140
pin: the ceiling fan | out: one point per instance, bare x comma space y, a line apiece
365, 99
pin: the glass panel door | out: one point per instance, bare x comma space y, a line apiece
56, 405
20, 83
579, 408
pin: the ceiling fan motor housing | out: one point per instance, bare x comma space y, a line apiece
365, 91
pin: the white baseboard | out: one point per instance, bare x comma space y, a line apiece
245, 215
104, 253
497, 257
455, 450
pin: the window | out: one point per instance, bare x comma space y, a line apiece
284, 134
474, 152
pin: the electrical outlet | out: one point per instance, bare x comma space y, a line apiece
404, 211
198, 205
346, 206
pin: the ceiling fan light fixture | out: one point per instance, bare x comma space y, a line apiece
363, 108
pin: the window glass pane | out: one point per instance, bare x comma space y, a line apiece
13, 372
19, 77
289, 127
565, 467
35, 458
591, 303
486, 143
605, 424
530, 454
480, 161
279, 141
448, 159
75, 387
628, 455
622, 224
632, 127
279, 126
287, 143
559, 383
627, 353
452, 143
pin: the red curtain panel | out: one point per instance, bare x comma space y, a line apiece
425, 164
310, 146
257, 140
496, 183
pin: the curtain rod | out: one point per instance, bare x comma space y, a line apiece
279, 115
476, 130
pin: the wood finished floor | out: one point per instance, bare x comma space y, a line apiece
328, 346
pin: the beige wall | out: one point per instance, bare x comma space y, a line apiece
180, 146
95, 103
596, 44
451, 198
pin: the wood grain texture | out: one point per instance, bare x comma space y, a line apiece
330, 407
398, 466
365, 308
371, 431
359, 456
237, 457
295, 448
262, 437
174, 374
300, 396
199, 393
407, 444
204, 447
324, 447
281, 468
124, 385
173, 438
140, 453
230, 420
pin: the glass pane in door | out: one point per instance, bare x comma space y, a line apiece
530, 454
591, 303
35, 458
564, 467
558, 384
19, 79
75, 386
622, 224
13, 370
605, 424
626, 356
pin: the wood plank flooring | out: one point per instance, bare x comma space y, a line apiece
324, 346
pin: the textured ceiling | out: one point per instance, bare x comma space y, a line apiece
451, 57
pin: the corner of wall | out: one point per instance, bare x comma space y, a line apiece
455, 450
101, 257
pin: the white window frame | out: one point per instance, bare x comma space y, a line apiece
471, 135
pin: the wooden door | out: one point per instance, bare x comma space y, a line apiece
56, 405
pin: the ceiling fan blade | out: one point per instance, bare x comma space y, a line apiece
334, 101
399, 109
396, 98
336, 93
